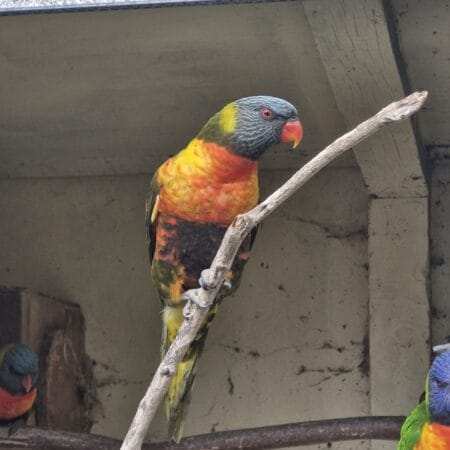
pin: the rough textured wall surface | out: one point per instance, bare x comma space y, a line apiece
424, 38
290, 345
38, 4
440, 251
424, 42
94, 101
110, 92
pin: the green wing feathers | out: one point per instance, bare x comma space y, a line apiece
412, 427
151, 211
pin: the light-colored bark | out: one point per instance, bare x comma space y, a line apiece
236, 233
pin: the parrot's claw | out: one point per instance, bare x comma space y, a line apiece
207, 281
17, 424
227, 284
195, 296
168, 371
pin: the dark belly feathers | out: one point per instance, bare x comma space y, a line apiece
183, 250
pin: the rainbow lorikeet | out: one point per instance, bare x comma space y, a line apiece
19, 371
194, 196
428, 425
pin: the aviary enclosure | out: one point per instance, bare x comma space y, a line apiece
328, 340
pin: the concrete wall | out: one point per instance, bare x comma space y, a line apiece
288, 346
94, 102
440, 252
115, 92
424, 42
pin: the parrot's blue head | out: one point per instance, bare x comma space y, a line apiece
19, 369
439, 389
250, 125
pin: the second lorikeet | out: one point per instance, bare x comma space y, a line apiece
19, 371
194, 197
428, 425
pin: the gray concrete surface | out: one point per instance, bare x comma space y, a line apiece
440, 251
399, 308
115, 92
351, 35
288, 346
91, 102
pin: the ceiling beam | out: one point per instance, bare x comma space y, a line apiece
353, 39
14, 7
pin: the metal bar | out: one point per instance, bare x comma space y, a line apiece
262, 438
21, 7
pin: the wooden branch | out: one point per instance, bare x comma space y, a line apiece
199, 300
287, 435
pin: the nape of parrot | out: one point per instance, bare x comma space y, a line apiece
19, 371
428, 426
194, 197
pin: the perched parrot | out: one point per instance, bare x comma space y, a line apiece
19, 371
193, 198
428, 425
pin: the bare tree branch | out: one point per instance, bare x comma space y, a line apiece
199, 300
287, 435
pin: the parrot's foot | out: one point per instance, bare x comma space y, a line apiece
207, 280
14, 425
195, 296
169, 371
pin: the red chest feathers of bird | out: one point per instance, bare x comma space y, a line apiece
207, 183
13, 406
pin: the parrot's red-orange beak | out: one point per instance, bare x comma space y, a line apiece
292, 132
27, 383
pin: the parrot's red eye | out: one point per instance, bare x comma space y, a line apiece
266, 113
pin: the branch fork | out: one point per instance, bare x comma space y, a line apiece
200, 300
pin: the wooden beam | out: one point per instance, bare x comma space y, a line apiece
352, 37
399, 344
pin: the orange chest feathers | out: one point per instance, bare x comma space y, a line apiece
13, 406
207, 183
434, 437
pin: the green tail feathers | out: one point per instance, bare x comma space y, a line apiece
178, 395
